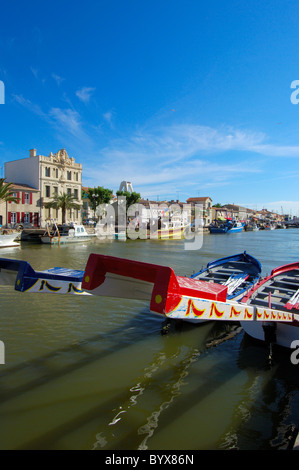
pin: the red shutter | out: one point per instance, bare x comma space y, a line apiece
18, 217
9, 217
23, 216
30, 198
23, 198
31, 217
18, 197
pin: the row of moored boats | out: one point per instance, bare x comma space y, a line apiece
228, 289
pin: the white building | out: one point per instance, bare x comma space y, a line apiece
55, 174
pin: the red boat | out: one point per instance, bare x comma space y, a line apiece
279, 291
176, 297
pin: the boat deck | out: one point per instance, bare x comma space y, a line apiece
281, 288
223, 272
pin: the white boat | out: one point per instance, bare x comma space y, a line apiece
66, 234
8, 239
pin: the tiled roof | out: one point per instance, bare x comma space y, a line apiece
23, 187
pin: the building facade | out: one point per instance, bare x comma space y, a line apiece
50, 175
25, 211
206, 204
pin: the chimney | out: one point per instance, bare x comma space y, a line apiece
32, 153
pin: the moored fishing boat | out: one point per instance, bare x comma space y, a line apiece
279, 291
238, 272
66, 234
229, 226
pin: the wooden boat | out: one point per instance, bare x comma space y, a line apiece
173, 296
66, 234
238, 272
8, 239
226, 227
26, 279
171, 231
280, 291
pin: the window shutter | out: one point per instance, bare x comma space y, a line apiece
18, 217
31, 217
23, 198
23, 216
9, 217
30, 198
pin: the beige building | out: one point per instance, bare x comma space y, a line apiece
50, 175
206, 204
25, 211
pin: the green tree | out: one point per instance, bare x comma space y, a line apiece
6, 192
64, 201
97, 196
131, 198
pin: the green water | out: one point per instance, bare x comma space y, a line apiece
96, 373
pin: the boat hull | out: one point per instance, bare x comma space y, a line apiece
285, 333
173, 233
8, 240
64, 240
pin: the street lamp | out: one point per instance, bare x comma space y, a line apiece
95, 197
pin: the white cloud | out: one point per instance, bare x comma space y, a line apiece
34, 108
57, 79
68, 118
85, 93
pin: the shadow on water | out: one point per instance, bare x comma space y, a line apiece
153, 377
105, 344
267, 412
115, 341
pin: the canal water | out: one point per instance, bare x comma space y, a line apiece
98, 373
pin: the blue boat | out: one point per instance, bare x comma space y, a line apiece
54, 280
229, 226
239, 273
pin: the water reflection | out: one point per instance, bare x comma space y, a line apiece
90, 374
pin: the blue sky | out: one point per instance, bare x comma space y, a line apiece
183, 98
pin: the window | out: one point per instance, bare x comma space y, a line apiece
47, 171
69, 175
55, 190
13, 218
55, 172
77, 176
48, 192
76, 193
69, 191
27, 198
26, 217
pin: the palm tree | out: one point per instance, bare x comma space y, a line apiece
64, 201
6, 192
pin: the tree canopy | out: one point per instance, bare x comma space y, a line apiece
131, 198
97, 196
